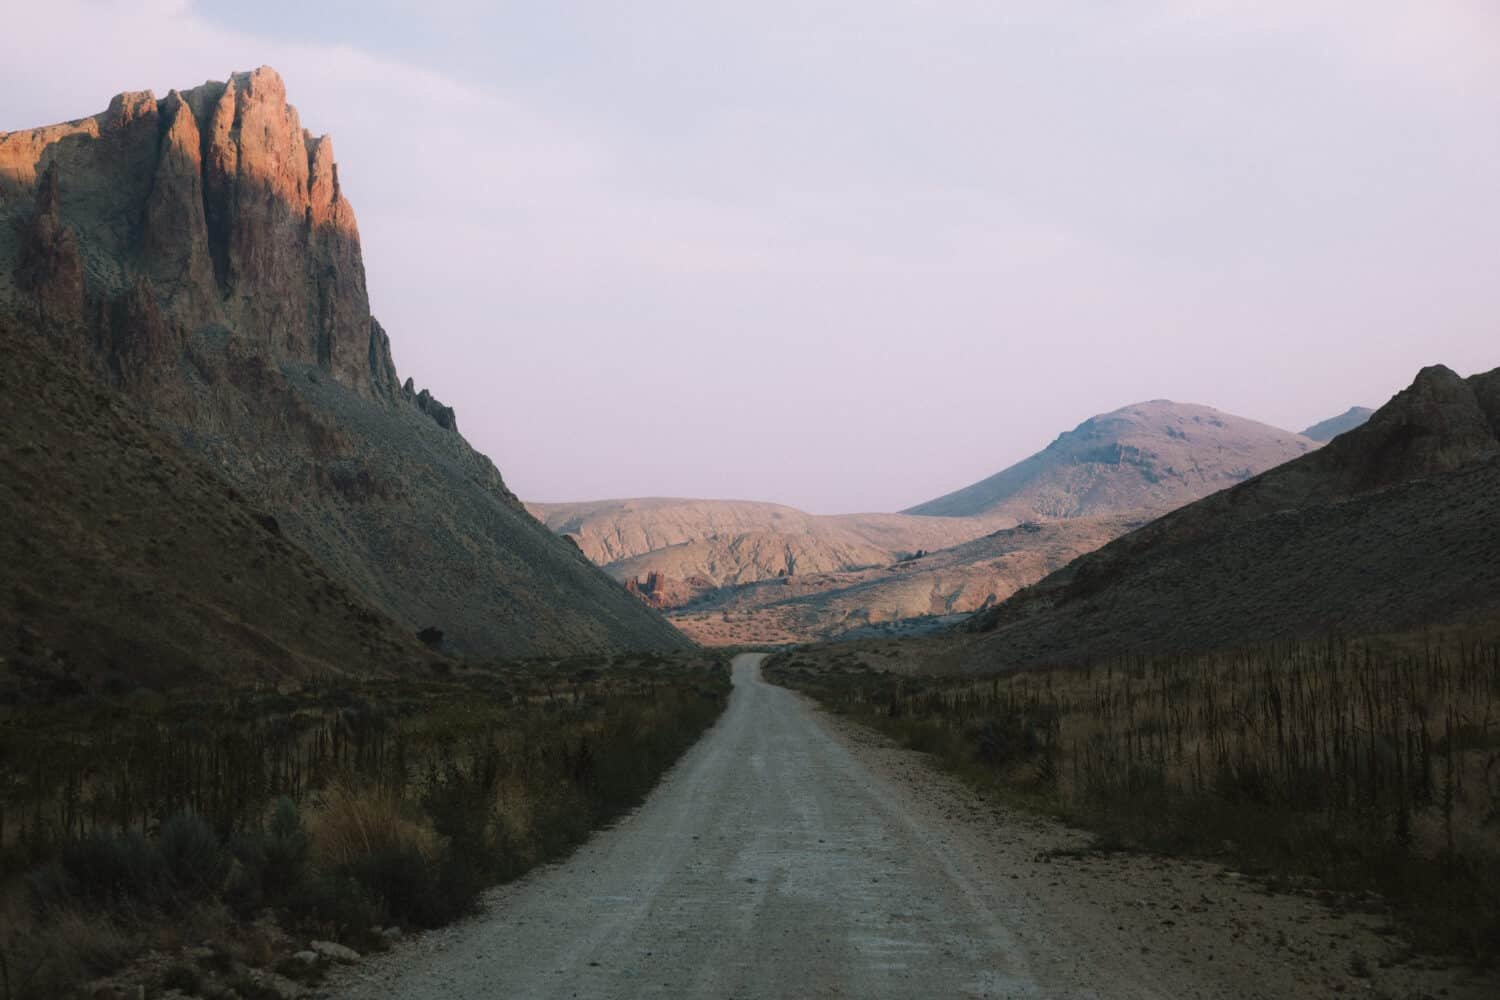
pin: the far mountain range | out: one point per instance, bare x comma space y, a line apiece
733, 571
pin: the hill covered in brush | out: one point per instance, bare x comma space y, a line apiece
1392, 525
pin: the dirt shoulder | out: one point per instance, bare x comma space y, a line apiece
1197, 929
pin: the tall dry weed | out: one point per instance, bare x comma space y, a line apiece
352, 822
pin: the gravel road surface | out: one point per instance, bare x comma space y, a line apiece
787, 855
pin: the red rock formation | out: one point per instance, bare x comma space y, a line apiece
50, 268
217, 204
654, 590
175, 243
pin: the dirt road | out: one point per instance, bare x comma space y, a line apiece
789, 856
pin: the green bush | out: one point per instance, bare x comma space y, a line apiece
335, 902
192, 855
284, 849
410, 889
115, 868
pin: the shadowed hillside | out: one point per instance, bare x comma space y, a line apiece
197, 252
1392, 525
124, 561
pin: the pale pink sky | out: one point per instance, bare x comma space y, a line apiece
852, 256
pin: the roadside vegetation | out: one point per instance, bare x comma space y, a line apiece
1351, 768
219, 835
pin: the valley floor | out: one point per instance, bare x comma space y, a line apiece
792, 854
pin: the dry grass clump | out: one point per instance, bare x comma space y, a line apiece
351, 822
46, 957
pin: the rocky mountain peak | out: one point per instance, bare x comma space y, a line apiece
1439, 423
219, 201
198, 253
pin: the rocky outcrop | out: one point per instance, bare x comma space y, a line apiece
429, 404
198, 252
382, 368
49, 268
175, 241
651, 589
214, 201
657, 591
1440, 423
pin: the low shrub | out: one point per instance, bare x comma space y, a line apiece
113, 868
193, 857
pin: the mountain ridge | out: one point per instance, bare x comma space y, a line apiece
1327, 430
725, 569
623, 535
1151, 455
1390, 525
197, 253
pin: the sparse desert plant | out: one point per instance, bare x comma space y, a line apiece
285, 849
114, 867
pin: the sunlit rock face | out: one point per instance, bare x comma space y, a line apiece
197, 252
218, 204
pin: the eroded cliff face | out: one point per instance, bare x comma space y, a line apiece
214, 201
198, 252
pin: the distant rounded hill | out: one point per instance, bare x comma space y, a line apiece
1331, 428
1157, 455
